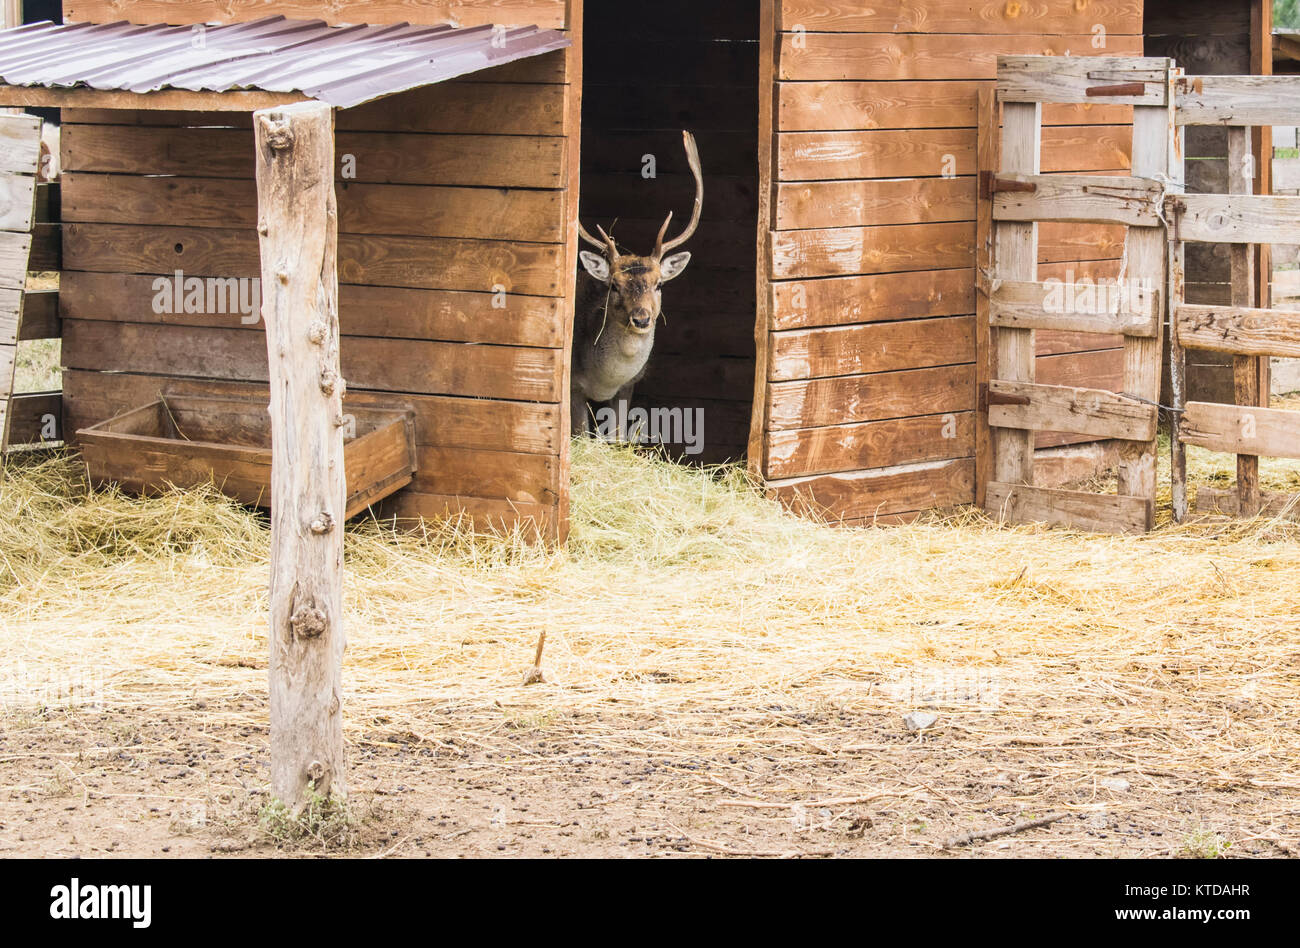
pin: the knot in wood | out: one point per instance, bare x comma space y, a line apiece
317, 332
316, 772
277, 132
328, 379
322, 524
308, 621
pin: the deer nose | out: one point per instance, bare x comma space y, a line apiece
641, 318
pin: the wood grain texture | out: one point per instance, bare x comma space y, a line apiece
869, 445
879, 493
1239, 330
983, 16
824, 204
1086, 411
904, 56
295, 162
1074, 510
846, 251
1238, 429
813, 403
876, 298
876, 347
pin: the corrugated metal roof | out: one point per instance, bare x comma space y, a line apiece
340, 65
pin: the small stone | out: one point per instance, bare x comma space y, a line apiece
919, 720
1118, 784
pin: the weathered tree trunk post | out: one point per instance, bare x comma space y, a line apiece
298, 228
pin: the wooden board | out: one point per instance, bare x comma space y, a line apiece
1094, 412
1075, 307
813, 403
1239, 330
1237, 429
876, 347
880, 493
1032, 78
876, 298
393, 365
1134, 202
864, 446
518, 161
20, 142
1076, 510
1238, 100
910, 16
883, 56
432, 263
844, 251
1238, 218
830, 204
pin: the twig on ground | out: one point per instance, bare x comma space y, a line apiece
535, 676
997, 831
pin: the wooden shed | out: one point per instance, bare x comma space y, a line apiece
826, 325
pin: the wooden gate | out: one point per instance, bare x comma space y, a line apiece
1250, 334
1015, 198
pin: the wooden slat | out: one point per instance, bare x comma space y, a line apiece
35, 418
812, 204
862, 446
1134, 202
908, 16
846, 251
1015, 256
899, 56
812, 403
1226, 502
17, 201
1041, 79
425, 211
880, 493
40, 315
432, 263
1238, 429
1086, 411
1076, 510
19, 145
395, 312
1240, 330
1088, 307
838, 105
877, 347
394, 365
876, 298
473, 424
1237, 218
520, 161
1238, 100
47, 248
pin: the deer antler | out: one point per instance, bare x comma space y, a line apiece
606, 243
693, 158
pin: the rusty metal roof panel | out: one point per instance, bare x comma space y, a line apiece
339, 65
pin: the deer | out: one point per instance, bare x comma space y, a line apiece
618, 306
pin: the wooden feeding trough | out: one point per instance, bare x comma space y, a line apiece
188, 441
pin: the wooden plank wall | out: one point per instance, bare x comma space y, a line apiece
866, 407
460, 189
1204, 37
690, 66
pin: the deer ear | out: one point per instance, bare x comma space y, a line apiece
595, 264
673, 266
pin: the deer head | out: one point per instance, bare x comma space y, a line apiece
634, 282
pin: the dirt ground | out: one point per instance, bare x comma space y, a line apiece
625, 783
722, 679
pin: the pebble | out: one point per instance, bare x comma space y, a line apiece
919, 720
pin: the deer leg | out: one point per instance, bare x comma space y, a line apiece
578, 414
623, 406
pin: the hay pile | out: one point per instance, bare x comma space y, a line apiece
690, 601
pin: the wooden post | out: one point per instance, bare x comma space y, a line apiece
988, 158
1016, 250
1176, 290
1245, 369
298, 229
1145, 248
